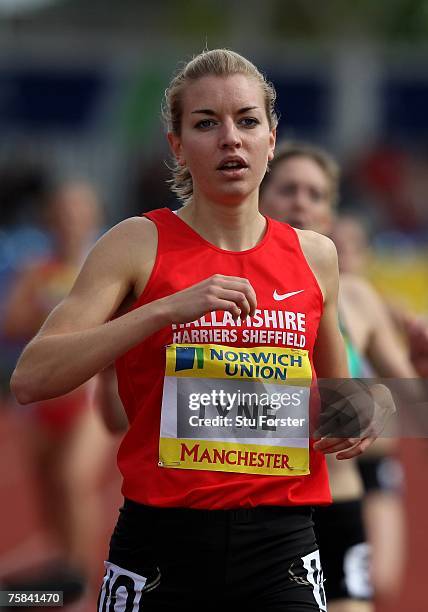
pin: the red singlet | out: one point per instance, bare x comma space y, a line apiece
215, 421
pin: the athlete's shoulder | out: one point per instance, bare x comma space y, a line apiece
321, 256
133, 232
132, 226
318, 248
358, 289
356, 284
124, 249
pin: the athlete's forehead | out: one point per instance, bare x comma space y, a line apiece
218, 94
300, 169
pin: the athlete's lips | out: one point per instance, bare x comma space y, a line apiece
230, 159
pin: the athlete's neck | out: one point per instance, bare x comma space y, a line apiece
237, 227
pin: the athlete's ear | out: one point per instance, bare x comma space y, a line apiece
272, 141
176, 148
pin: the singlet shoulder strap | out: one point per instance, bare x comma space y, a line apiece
161, 216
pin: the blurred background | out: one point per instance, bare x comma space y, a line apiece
81, 85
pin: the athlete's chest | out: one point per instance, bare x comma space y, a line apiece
289, 300
287, 313
279, 283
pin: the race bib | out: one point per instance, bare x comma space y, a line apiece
233, 409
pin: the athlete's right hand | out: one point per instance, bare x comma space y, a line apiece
228, 293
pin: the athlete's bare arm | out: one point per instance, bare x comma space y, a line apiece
329, 352
415, 330
76, 342
383, 350
108, 402
78, 339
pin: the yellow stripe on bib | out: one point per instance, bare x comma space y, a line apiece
233, 457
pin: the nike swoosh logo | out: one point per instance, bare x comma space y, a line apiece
277, 296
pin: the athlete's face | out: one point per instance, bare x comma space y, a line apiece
75, 214
298, 192
225, 138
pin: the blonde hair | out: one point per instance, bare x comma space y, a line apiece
324, 160
218, 62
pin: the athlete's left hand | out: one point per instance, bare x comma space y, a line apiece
356, 417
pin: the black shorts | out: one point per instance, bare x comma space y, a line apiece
345, 554
264, 558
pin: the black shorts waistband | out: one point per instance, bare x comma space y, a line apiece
136, 509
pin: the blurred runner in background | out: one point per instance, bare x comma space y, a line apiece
302, 189
66, 440
350, 237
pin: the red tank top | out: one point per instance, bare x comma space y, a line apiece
215, 420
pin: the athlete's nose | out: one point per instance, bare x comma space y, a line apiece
229, 135
300, 200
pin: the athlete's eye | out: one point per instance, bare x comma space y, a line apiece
205, 124
316, 195
287, 190
249, 122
